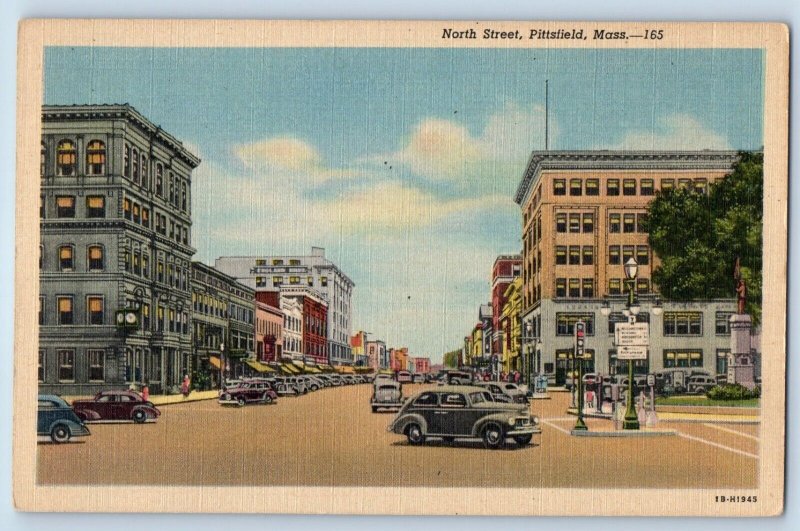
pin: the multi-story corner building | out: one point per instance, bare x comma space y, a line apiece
582, 215
377, 355
511, 325
506, 268
398, 359
265, 273
314, 311
268, 329
115, 251
292, 309
223, 323
421, 365
358, 344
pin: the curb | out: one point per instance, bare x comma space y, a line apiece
624, 433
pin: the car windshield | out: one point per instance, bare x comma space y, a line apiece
477, 398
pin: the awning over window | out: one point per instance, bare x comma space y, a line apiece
214, 362
288, 368
344, 369
260, 367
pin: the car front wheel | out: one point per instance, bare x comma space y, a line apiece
414, 434
523, 440
60, 433
266, 398
493, 436
139, 416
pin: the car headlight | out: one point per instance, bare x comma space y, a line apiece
534, 419
511, 421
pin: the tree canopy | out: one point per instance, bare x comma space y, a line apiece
698, 236
451, 358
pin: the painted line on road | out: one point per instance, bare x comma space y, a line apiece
717, 445
559, 428
559, 419
720, 428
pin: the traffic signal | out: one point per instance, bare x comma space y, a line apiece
580, 329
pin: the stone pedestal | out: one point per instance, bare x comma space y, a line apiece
741, 369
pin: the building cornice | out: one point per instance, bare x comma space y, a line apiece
124, 111
620, 160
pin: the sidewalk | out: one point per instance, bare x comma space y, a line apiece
714, 417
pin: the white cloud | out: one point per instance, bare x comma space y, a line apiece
677, 131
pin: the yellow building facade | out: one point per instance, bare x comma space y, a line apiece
510, 324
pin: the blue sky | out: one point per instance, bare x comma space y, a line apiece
402, 162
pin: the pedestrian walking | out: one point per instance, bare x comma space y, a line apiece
590, 399
146, 393
185, 385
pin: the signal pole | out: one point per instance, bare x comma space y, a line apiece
580, 335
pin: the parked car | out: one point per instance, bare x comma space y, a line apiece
258, 391
403, 376
386, 394
57, 420
382, 376
418, 378
116, 406
500, 393
456, 378
700, 385
463, 412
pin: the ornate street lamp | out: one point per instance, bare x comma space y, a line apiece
631, 421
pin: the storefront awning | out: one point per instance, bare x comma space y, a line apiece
288, 368
344, 369
325, 368
260, 367
312, 370
214, 362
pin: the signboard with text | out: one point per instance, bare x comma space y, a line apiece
626, 335
635, 352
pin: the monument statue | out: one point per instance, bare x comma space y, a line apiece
741, 288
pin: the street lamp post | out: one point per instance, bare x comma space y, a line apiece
221, 365
631, 419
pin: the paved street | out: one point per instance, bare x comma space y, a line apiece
330, 437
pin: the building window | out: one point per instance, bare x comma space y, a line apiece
159, 180
627, 253
66, 258
614, 223
588, 255
137, 263
41, 365
65, 316
294, 280
561, 287
574, 255
146, 265
277, 281
574, 222
588, 222
41, 310
613, 255
160, 319
323, 281
94, 256
66, 156
66, 365
723, 324
94, 310
65, 206
647, 187
592, 186
561, 222
183, 197
561, 255
565, 323
614, 286
95, 206
684, 183
277, 261
97, 365
261, 262
683, 358
42, 160
559, 187
126, 208
641, 223
612, 187
575, 187
135, 165
588, 288
722, 360
171, 188
701, 186
683, 324
160, 271
574, 287
642, 255
137, 213
261, 282
95, 158
126, 167
629, 223
667, 184
310, 281
642, 285
145, 172
629, 187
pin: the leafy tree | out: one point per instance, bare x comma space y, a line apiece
451, 358
699, 236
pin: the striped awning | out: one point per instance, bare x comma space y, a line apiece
214, 362
260, 367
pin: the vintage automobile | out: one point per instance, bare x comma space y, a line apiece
109, 406
404, 377
463, 412
418, 378
253, 391
386, 394
700, 384
57, 420
504, 392
455, 378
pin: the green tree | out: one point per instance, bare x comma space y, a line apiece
451, 359
699, 236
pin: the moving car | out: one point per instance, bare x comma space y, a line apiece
57, 420
116, 406
259, 391
456, 378
463, 412
386, 394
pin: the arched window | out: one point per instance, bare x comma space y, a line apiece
66, 257
95, 258
183, 197
135, 160
171, 188
126, 169
95, 158
145, 172
65, 158
43, 160
159, 180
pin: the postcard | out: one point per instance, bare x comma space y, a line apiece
401, 267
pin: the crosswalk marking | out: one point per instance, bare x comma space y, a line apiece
717, 445
728, 430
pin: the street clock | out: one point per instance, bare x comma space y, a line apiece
128, 319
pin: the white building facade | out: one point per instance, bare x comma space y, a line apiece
292, 327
